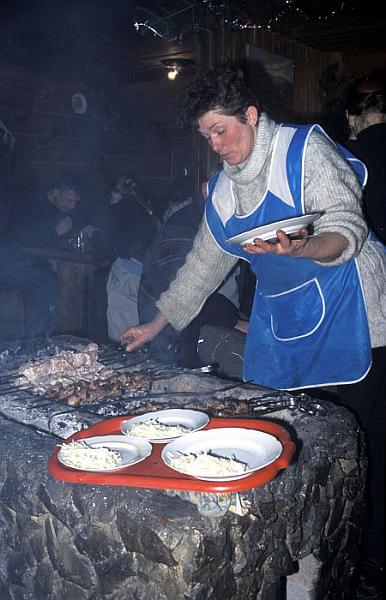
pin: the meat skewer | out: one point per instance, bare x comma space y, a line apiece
76, 377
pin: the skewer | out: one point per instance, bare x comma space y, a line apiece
8, 378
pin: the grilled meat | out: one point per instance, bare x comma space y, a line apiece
78, 377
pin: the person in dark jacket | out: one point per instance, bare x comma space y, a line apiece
126, 227
366, 114
164, 257
54, 218
130, 224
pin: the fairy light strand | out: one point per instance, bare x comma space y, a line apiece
205, 16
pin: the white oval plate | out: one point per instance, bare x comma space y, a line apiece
256, 449
268, 232
193, 420
132, 451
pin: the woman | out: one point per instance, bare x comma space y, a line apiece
309, 290
318, 316
366, 115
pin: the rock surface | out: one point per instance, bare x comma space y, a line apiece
61, 541
76, 542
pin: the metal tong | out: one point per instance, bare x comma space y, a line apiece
276, 400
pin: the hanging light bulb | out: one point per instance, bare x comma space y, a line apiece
175, 66
173, 73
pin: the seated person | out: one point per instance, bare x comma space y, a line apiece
163, 259
222, 346
127, 227
126, 219
54, 219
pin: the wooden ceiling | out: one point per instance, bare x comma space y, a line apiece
98, 37
328, 25
347, 27
362, 29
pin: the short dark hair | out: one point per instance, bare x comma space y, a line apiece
222, 89
66, 181
365, 96
124, 183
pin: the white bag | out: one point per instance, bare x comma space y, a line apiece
122, 295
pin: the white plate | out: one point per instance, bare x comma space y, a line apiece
193, 420
268, 232
132, 451
256, 449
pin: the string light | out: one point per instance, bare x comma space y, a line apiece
206, 15
137, 27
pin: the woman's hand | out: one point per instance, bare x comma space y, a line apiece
138, 335
324, 247
284, 244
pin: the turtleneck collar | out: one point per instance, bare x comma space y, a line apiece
248, 170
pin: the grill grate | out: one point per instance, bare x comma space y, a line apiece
171, 387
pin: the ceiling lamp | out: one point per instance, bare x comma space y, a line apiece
173, 72
175, 66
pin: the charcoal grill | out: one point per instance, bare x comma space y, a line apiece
301, 531
171, 387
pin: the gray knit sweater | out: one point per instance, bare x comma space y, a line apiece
330, 186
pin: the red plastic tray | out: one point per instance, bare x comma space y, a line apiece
153, 473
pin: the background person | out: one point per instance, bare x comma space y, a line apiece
366, 115
164, 257
129, 227
52, 220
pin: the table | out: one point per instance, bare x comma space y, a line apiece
75, 271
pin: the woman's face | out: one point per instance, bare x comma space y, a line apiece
231, 139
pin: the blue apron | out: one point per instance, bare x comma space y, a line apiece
308, 325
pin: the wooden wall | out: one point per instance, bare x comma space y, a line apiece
221, 45
372, 63
130, 126
124, 129
50, 137
320, 78
155, 147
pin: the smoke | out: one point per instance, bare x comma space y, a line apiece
75, 36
